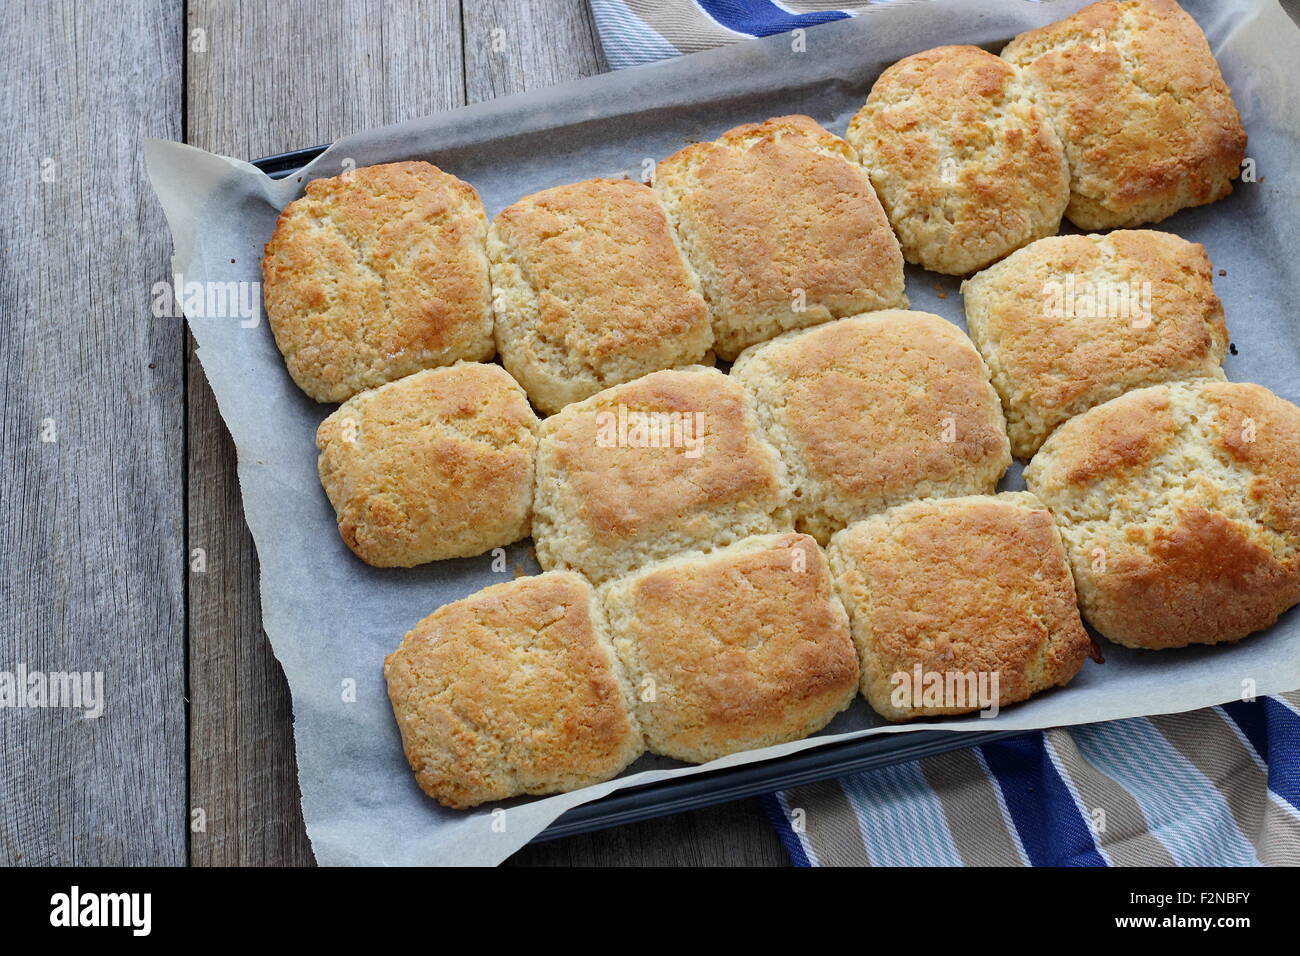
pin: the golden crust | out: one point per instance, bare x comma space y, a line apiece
873, 410
609, 499
1148, 124
376, 274
1259, 431
1179, 507
590, 290
735, 650
1070, 322
783, 229
1124, 441
435, 465
513, 690
965, 164
963, 586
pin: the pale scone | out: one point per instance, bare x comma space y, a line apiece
376, 274
783, 229
967, 167
590, 290
959, 605
1180, 509
1148, 123
874, 410
1070, 322
670, 462
738, 649
435, 465
513, 690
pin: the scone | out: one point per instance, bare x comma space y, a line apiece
783, 229
513, 690
1072, 321
435, 465
590, 290
1148, 123
376, 274
874, 410
967, 167
739, 649
959, 605
1180, 506
670, 462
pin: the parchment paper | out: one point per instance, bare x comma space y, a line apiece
331, 619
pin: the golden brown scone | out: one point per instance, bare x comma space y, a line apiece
738, 649
1148, 123
670, 462
1072, 321
376, 274
874, 410
590, 290
783, 229
1180, 506
513, 690
435, 465
966, 165
949, 593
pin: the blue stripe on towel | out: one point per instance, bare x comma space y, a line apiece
762, 18
784, 831
1051, 829
900, 817
1273, 729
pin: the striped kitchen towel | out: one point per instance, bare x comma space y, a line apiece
642, 31
1214, 787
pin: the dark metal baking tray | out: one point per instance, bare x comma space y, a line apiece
733, 783
752, 779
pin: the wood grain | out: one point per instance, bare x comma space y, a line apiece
517, 45
93, 557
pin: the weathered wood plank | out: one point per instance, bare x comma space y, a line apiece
91, 570
517, 45
274, 75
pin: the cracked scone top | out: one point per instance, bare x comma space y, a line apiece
967, 167
670, 462
967, 587
873, 410
1148, 124
1180, 507
435, 465
1069, 322
783, 228
376, 274
513, 690
743, 647
590, 290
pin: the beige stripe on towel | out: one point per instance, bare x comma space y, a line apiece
1208, 740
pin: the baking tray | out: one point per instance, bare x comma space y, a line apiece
734, 783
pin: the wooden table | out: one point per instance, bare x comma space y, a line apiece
118, 469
